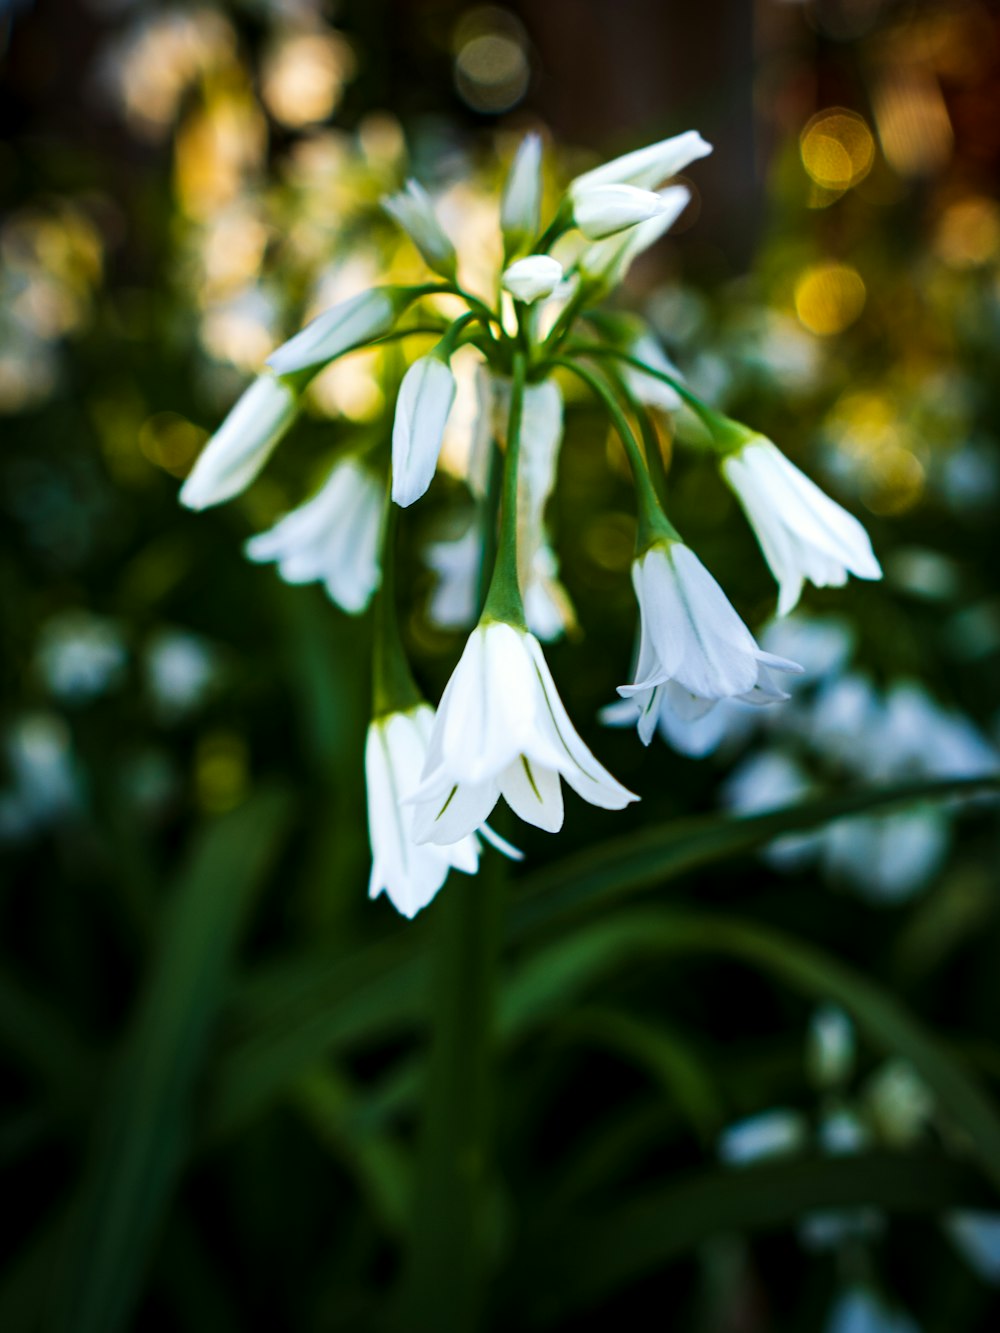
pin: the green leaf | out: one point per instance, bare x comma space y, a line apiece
142, 1134
612, 870
585, 1259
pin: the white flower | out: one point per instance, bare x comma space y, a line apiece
412, 209
772, 1133
453, 602
647, 388
610, 260
242, 445
803, 533
347, 325
521, 203
501, 730
693, 645
425, 399
608, 209
411, 875
533, 277
646, 167
333, 538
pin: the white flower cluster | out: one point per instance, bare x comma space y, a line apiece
501, 729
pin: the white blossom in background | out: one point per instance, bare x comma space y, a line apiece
425, 398
181, 671
454, 600
80, 656
646, 388
413, 210
501, 730
532, 278
858, 1310
770, 780
332, 539
830, 1048
804, 535
241, 446
975, 1233
774, 1133
43, 783
410, 875
900, 1103
350, 324
693, 648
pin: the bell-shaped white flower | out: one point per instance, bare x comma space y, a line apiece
533, 277
521, 203
608, 261
242, 445
501, 730
803, 534
412, 209
331, 539
693, 647
605, 210
647, 167
410, 874
425, 399
350, 324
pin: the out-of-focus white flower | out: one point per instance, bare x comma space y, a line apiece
331, 539
646, 388
803, 533
846, 715
830, 1047
976, 1236
768, 781
693, 647
81, 656
181, 669
821, 644
521, 203
646, 167
501, 730
531, 278
548, 612
888, 858
413, 210
44, 785
410, 874
606, 210
901, 1103
857, 1310
608, 261
242, 445
729, 722
453, 603
350, 324
425, 398
770, 1134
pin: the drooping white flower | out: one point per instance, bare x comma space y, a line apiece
646, 167
410, 874
521, 203
413, 210
501, 730
425, 398
605, 210
803, 534
331, 539
347, 325
693, 646
608, 261
773, 1133
242, 445
533, 277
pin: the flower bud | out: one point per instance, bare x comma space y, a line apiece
412, 209
531, 278
242, 444
425, 399
605, 210
610, 260
347, 325
521, 204
647, 167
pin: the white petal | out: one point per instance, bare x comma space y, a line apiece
336, 331
242, 445
425, 399
534, 793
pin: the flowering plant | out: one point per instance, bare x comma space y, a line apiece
501, 728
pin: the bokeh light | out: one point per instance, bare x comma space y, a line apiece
829, 297
492, 71
837, 149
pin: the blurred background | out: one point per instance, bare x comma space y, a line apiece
212, 1044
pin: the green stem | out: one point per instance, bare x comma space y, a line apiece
560, 224
726, 433
650, 438
503, 601
653, 522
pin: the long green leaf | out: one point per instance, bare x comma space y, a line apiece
599, 875
143, 1131
585, 1259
